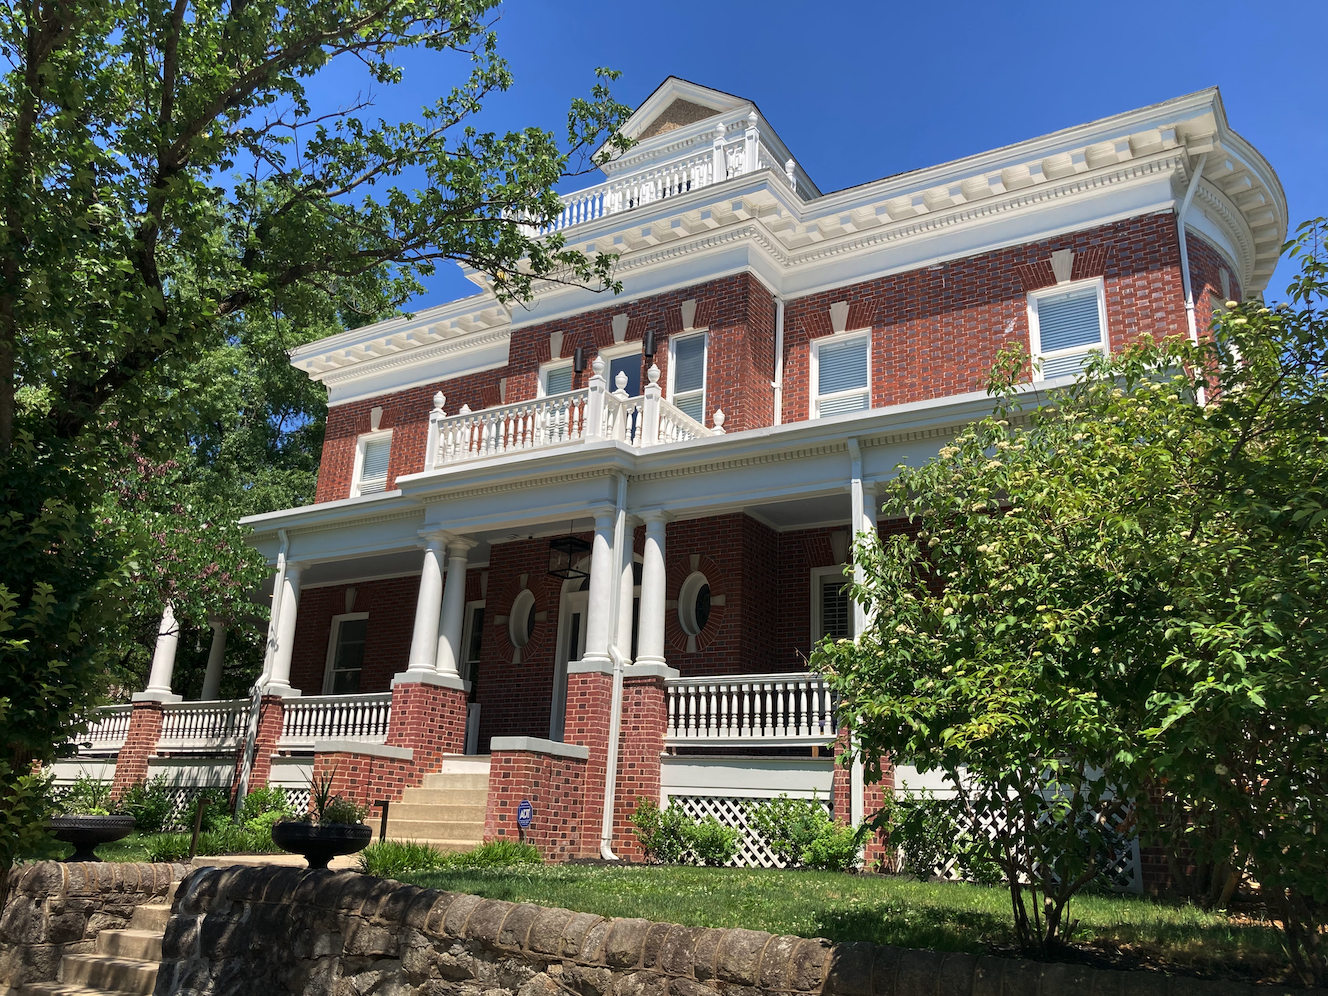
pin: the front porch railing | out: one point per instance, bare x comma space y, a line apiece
107, 730
765, 710
197, 727
310, 718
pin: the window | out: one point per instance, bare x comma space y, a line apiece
832, 609
687, 370
841, 373
345, 653
556, 379
473, 642
371, 458
694, 604
631, 366
521, 623
1065, 324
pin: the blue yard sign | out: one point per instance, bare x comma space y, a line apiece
525, 812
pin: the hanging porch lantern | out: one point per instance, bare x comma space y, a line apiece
564, 552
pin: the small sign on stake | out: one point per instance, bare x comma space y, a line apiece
525, 812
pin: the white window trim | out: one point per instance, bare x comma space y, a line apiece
705, 367
1035, 332
468, 628
543, 387
332, 635
818, 574
364, 440
814, 397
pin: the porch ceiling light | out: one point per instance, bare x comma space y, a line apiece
564, 551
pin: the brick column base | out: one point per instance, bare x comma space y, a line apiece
552, 777
589, 704
642, 742
877, 851
428, 721
270, 715
131, 764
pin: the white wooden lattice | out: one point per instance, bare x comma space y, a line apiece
752, 850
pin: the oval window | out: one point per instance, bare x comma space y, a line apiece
694, 604
521, 621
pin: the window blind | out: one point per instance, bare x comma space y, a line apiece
557, 380
689, 364
841, 376
1069, 320
834, 608
373, 472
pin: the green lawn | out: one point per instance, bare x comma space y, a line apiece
1129, 932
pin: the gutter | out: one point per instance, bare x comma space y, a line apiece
778, 382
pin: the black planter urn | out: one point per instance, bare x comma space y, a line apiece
320, 844
89, 832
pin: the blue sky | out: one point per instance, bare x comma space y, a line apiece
863, 90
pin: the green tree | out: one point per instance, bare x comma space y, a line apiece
1118, 599
166, 187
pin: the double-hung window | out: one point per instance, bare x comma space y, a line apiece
371, 457
345, 653
556, 379
841, 374
687, 374
832, 610
1065, 324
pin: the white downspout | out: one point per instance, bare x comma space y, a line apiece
778, 382
256, 692
857, 795
1184, 253
615, 706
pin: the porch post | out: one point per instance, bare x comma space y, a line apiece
163, 660
216, 658
278, 681
654, 585
602, 579
454, 607
428, 604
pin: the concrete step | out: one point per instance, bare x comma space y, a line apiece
64, 989
443, 797
444, 845
427, 811
150, 917
476, 781
434, 830
145, 945
127, 975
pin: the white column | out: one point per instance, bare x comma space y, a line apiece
627, 583
428, 605
454, 609
163, 660
278, 682
602, 579
216, 657
654, 583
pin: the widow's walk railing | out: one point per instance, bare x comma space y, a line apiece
765, 710
572, 416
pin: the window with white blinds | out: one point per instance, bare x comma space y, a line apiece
687, 375
558, 379
842, 378
1066, 326
375, 451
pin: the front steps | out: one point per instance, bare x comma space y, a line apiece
125, 962
446, 811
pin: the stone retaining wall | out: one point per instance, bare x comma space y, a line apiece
322, 933
57, 908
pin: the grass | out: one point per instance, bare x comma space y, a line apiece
1114, 930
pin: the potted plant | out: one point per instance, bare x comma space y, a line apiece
332, 826
85, 819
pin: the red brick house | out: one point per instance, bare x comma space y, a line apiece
580, 550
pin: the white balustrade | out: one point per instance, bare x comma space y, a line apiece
676, 426
770, 710
311, 718
558, 418
203, 726
107, 731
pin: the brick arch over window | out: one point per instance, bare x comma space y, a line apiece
546, 605
680, 568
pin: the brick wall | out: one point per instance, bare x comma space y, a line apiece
131, 764
642, 742
588, 711
270, 714
555, 787
391, 607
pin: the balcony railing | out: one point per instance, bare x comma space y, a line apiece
760, 710
198, 727
311, 718
106, 731
573, 416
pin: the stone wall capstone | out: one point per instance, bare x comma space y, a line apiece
58, 908
324, 933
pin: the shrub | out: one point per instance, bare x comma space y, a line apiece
664, 834
393, 858
835, 848
339, 810
150, 804
713, 843
268, 799
85, 797
929, 834
500, 853
169, 846
788, 826
261, 825
216, 809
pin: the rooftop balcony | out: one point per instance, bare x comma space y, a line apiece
561, 419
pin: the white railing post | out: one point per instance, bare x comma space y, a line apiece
650, 411
594, 424
432, 441
718, 161
751, 152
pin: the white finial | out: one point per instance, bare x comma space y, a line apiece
653, 374
439, 399
718, 419
597, 365
620, 382
465, 409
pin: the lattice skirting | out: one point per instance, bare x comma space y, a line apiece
732, 812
